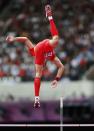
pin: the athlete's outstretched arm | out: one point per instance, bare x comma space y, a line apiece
60, 71
24, 40
53, 28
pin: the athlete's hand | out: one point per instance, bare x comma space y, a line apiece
54, 84
9, 39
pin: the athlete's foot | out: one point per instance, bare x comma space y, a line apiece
37, 104
48, 10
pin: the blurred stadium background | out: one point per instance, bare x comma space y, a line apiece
75, 22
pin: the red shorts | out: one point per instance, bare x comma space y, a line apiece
43, 51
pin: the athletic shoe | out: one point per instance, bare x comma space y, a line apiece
48, 10
37, 104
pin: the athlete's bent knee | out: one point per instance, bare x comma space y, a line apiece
39, 74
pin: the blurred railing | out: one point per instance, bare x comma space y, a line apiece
65, 89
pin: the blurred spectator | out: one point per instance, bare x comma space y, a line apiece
75, 22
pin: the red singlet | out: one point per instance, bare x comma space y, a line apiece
43, 51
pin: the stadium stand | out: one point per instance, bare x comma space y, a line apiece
75, 23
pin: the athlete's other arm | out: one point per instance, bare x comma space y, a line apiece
25, 40
60, 71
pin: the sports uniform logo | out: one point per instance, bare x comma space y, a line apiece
48, 54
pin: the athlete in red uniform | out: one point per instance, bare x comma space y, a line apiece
42, 52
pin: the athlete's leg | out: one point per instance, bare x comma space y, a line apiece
53, 29
37, 82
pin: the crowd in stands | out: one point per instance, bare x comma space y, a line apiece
78, 111
75, 23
